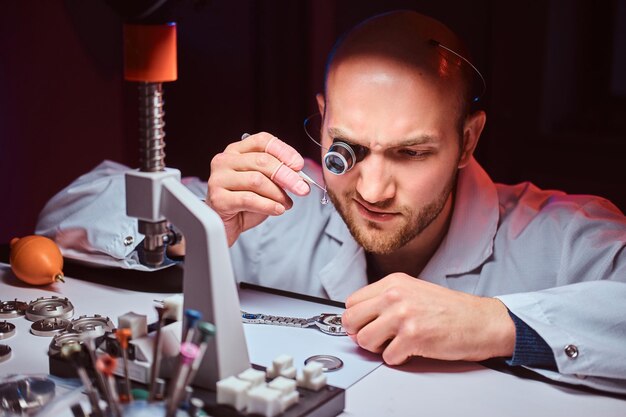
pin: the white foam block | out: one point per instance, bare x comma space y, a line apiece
174, 305
281, 364
317, 383
265, 401
288, 400
312, 369
137, 323
288, 373
282, 384
287, 387
234, 392
312, 377
254, 376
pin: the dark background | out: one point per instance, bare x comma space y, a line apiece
555, 70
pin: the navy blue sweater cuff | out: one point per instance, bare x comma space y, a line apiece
530, 348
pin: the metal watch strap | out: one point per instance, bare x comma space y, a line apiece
277, 320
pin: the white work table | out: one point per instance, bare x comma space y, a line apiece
421, 387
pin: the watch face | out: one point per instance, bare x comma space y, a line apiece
330, 324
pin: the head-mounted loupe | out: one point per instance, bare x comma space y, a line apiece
340, 157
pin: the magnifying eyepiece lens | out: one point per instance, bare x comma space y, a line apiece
335, 164
340, 158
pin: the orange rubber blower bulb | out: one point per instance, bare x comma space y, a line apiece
36, 260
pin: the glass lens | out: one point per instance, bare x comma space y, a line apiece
335, 163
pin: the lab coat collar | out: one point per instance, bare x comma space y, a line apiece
347, 270
469, 241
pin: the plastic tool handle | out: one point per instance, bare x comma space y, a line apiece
150, 53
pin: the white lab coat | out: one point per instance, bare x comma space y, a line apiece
557, 261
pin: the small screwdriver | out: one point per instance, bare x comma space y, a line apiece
75, 354
207, 330
122, 336
188, 353
191, 318
107, 364
156, 356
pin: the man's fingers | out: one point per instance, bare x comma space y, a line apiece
375, 335
285, 153
252, 181
265, 142
289, 180
391, 284
366, 293
358, 316
276, 160
250, 202
397, 352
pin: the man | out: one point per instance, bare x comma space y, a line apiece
436, 239
432, 258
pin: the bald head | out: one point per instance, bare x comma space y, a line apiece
406, 41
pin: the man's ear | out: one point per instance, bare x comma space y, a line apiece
472, 128
321, 103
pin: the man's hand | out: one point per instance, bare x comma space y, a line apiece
402, 316
248, 182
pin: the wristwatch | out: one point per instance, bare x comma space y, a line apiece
329, 323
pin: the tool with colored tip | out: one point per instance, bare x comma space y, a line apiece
191, 318
106, 365
156, 353
122, 336
206, 330
188, 353
36, 260
89, 342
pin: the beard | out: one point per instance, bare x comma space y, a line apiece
374, 238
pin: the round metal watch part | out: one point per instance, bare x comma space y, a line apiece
12, 309
49, 307
49, 327
63, 338
94, 326
329, 362
32, 394
6, 330
5, 353
330, 323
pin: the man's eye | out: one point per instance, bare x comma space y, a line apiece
360, 152
413, 154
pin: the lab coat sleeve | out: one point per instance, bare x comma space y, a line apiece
589, 317
88, 221
583, 318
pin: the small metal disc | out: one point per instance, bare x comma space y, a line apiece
12, 309
5, 353
25, 395
38, 391
94, 326
49, 327
49, 307
329, 362
6, 330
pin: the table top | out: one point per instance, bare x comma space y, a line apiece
419, 387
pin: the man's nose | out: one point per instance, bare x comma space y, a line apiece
376, 183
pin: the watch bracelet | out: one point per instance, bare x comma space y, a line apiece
285, 321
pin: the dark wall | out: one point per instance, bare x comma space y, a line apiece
555, 70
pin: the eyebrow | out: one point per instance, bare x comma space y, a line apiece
423, 139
